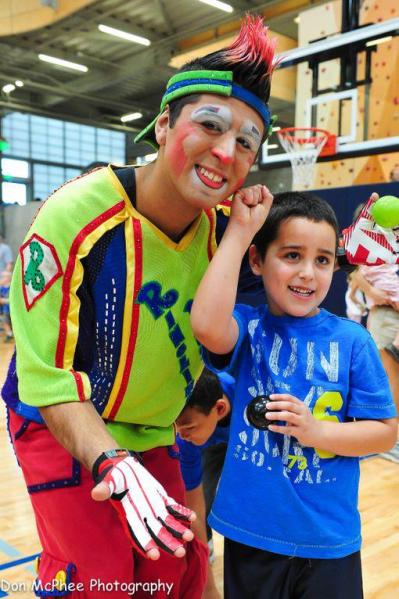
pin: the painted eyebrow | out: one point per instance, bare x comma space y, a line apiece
221, 112
300, 247
207, 108
250, 129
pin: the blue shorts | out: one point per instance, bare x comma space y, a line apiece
258, 574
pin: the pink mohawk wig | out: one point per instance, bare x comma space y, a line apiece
253, 45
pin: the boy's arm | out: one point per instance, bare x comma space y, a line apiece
342, 438
211, 313
196, 502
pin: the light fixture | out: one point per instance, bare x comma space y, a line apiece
130, 37
381, 40
272, 146
220, 5
133, 116
8, 88
63, 63
276, 129
19, 83
297, 20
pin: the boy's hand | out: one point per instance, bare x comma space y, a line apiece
250, 208
300, 423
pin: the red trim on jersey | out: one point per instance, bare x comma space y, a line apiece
79, 384
138, 279
70, 269
225, 203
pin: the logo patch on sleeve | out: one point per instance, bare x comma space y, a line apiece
40, 268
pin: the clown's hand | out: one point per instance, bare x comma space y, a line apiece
365, 242
149, 517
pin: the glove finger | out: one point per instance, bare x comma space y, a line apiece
177, 529
162, 537
180, 512
134, 524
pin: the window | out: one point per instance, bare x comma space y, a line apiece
54, 151
14, 193
15, 168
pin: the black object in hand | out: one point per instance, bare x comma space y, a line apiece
256, 411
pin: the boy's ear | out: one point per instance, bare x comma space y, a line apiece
161, 127
222, 407
255, 261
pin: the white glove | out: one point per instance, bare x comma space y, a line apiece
149, 516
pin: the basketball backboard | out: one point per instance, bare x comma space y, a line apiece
347, 83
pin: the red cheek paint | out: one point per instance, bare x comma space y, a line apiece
177, 153
239, 185
251, 160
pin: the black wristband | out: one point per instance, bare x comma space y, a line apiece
108, 456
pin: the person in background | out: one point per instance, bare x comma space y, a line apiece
380, 285
355, 301
5, 280
204, 424
6, 259
394, 174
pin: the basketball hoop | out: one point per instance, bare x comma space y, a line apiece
303, 146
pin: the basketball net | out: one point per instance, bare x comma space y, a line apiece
303, 146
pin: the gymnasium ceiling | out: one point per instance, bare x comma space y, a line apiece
122, 77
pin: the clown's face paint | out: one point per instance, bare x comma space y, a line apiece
211, 148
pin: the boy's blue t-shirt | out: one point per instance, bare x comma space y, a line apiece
274, 493
190, 454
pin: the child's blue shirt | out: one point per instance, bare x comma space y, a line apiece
274, 493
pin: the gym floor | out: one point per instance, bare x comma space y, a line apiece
379, 506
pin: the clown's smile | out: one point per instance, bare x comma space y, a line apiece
210, 177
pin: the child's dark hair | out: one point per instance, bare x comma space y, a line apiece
250, 57
206, 392
293, 204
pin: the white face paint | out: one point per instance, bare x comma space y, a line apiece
214, 117
220, 119
251, 135
209, 149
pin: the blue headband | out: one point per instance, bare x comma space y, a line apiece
207, 82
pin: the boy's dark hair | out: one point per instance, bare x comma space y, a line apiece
293, 204
206, 392
250, 58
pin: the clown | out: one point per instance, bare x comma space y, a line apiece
105, 357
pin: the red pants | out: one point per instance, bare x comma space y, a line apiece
83, 542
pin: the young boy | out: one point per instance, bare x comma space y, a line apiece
203, 431
287, 499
